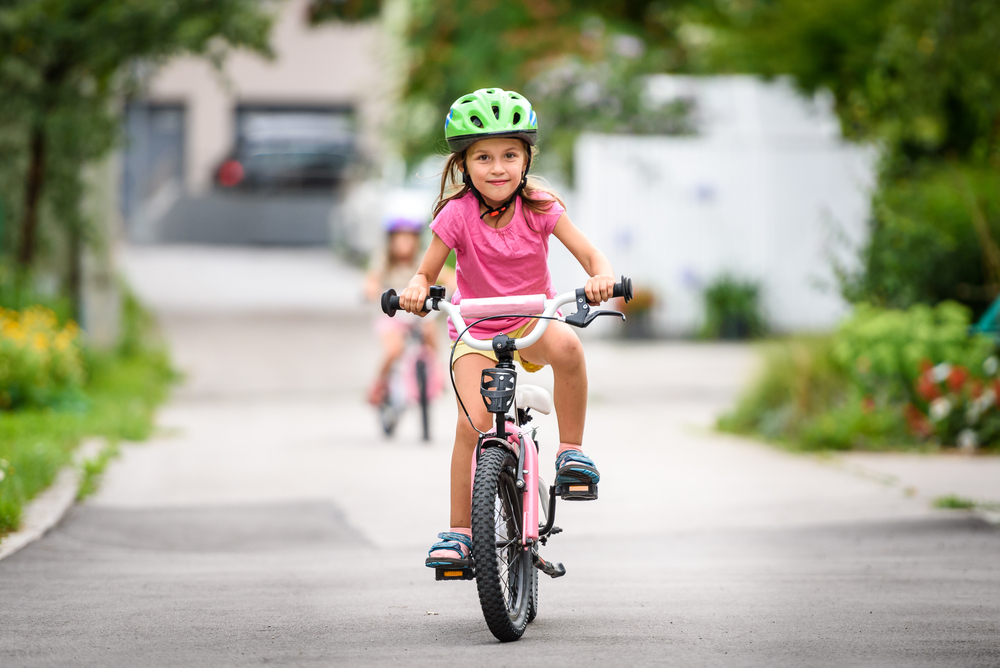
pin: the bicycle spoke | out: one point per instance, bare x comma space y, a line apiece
508, 545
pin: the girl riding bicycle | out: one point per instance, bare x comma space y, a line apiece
394, 265
498, 221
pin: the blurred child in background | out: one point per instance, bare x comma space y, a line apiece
394, 266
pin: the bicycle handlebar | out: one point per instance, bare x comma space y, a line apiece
436, 302
390, 301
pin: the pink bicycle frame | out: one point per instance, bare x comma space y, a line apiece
515, 437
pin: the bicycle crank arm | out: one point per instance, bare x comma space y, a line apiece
550, 568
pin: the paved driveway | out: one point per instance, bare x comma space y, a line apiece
269, 522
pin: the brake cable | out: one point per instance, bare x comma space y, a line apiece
454, 346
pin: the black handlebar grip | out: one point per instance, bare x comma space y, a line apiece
390, 302
623, 289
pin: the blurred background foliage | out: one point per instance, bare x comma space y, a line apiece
887, 378
733, 309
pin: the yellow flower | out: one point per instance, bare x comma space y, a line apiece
63, 340
40, 342
15, 332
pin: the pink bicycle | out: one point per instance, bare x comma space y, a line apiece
507, 491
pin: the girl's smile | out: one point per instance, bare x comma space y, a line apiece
496, 167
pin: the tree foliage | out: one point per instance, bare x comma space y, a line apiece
63, 63
579, 62
917, 75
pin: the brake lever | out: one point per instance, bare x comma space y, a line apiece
584, 317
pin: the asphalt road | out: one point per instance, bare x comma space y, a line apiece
268, 522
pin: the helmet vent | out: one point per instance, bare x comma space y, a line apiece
496, 112
466, 101
517, 118
475, 121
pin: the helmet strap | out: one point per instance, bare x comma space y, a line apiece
497, 211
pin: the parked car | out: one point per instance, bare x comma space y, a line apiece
288, 150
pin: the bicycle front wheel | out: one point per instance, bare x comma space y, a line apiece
503, 567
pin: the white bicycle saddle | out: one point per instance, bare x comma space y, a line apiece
534, 397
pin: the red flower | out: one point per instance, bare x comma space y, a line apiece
957, 378
928, 389
867, 405
917, 421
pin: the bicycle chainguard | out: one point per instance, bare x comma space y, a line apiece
454, 573
576, 491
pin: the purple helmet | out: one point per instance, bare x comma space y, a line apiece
403, 224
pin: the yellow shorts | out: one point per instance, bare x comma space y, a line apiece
463, 349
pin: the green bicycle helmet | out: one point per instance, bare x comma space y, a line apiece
489, 112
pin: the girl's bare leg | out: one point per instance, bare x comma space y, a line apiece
468, 371
560, 348
393, 345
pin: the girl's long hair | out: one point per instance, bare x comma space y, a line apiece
453, 187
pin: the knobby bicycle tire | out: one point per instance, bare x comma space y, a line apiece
533, 596
503, 569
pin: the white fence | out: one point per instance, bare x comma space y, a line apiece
766, 191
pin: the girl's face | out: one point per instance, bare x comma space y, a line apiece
495, 166
403, 246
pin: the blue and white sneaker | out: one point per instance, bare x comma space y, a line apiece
452, 551
574, 467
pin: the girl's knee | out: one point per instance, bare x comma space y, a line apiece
394, 346
567, 351
465, 431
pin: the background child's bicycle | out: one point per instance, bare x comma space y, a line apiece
507, 491
415, 380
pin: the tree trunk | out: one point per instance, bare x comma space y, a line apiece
74, 279
32, 197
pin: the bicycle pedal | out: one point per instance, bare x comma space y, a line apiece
451, 573
575, 491
550, 568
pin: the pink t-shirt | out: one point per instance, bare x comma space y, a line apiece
513, 260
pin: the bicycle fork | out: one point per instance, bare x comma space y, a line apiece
529, 484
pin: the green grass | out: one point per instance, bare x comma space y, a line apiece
118, 404
954, 502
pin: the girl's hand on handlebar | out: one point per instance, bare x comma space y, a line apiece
599, 289
413, 298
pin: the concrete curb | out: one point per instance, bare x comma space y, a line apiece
48, 508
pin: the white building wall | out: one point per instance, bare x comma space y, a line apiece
766, 191
332, 64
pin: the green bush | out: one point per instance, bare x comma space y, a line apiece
933, 233
873, 384
733, 310
884, 350
40, 361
